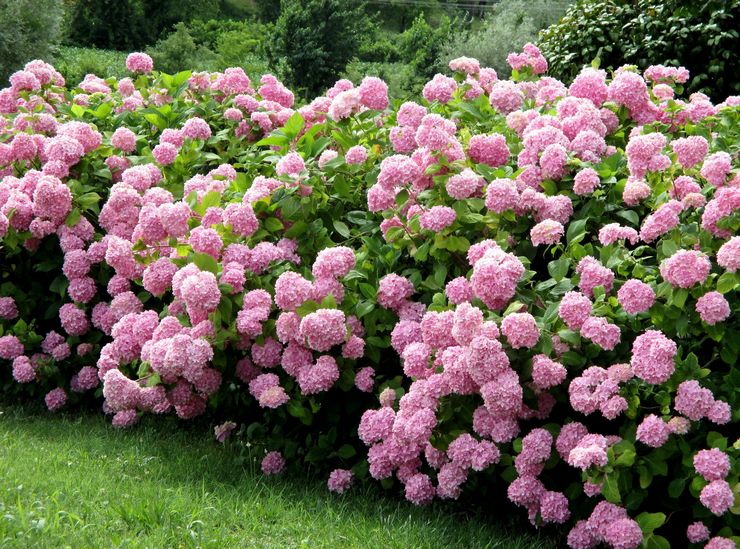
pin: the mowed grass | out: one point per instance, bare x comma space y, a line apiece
74, 481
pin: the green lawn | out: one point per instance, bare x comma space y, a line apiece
74, 481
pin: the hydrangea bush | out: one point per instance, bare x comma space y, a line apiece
520, 285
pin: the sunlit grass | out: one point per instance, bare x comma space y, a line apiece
74, 481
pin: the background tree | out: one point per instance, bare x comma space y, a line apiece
421, 43
132, 24
701, 36
28, 29
313, 40
504, 30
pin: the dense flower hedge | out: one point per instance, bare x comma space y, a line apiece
510, 283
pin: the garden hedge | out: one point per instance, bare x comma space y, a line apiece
520, 286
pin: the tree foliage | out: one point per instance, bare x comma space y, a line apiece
28, 29
313, 40
701, 36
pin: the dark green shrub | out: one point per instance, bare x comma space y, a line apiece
701, 36
74, 63
206, 33
28, 30
131, 24
178, 50
212, 45
400, 77
421, 44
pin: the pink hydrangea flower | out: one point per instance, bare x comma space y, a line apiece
712, 464
273, 463
636, 296
323, 329
464, 185
653, 357
520, 330
340, 480
575, 309
601, 332
716, 167
623, 534
437, 218
547, 231
495, 277
419, 489
356, 154
690, 151
196, 128
728, 256
713, 308
653, 431
10, 347
685, 268
489, 149
55, 399
139, 62
717, 496
501, 195
697, 532
592, 274
374, 93
506, 97
124, 139
718, 542
440, 89
165, 153
319, 377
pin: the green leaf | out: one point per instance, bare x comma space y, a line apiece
210, 199
629, 216
576, 231
153, 380
77, 110
440, 274
569, 336
156, 120
364, 307
341, 228
610, 488
678, 297
297, 229
296, 409
558, 268
676, 486
646, 477
206, 262
716, 440
650, 521
307, 307
294, 125
627, 458
329, 302
656, 542
273, 224
726, 283
181, 77
346, 451
72, 218
368, 290
88, 200
656, 465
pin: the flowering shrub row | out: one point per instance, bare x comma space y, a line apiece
509, 282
